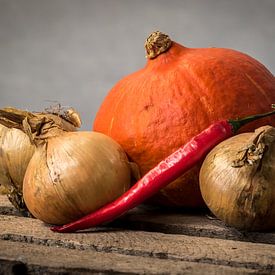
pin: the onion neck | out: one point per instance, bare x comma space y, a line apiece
156, 44
255, 149
38, 126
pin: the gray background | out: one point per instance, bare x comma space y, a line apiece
73, 52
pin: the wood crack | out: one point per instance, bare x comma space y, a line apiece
133, 252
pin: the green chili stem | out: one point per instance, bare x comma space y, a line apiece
238, 123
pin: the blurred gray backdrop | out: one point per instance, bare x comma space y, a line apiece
73, 52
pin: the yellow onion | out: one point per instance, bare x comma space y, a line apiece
74, 174
16, 151
237, 180
71, 173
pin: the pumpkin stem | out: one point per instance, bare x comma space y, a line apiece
157, 43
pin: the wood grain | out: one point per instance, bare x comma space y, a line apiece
44, 259
188, 223
172, 221
146, 244
29, 244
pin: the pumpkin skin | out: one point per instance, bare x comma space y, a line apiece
178, 94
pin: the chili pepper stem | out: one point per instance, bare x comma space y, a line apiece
238, 123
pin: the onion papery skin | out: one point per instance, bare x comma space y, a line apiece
242, 197
74, 174
16, 151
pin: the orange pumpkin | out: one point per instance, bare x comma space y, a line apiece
179, 93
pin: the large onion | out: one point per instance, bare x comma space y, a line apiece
237, 180
74, 174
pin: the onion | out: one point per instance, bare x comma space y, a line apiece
16, 152
237, 180
71, 173
74, 174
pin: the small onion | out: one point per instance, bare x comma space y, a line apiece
16, 151
237, 180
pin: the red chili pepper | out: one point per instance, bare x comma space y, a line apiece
165, 172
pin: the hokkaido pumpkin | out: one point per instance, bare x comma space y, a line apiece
179, 93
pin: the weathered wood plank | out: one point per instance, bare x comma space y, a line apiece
220, 252
173, 222
192, 224
6, 207
37, 259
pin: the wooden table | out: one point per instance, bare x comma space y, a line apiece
145, 241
